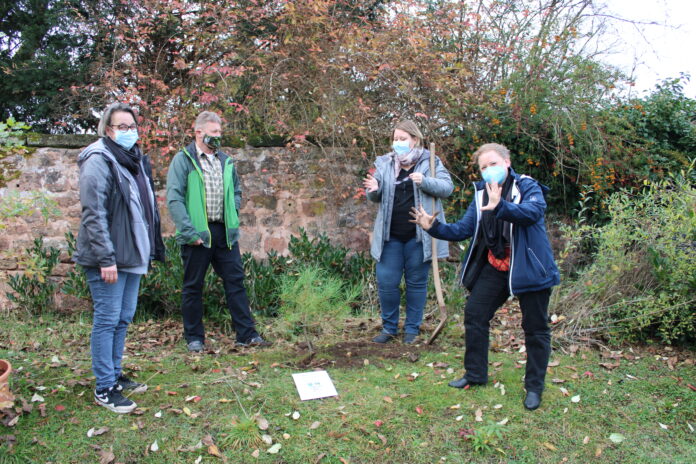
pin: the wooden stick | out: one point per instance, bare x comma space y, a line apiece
436, 267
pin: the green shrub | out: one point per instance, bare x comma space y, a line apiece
34, 289
160, 289
75, 282
642, 281
312, 301
354, 268
263, 281
11, 144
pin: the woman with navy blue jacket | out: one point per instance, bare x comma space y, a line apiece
509, 254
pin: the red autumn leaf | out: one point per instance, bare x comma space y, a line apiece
419, 410
378, 423
60, 407
171, 393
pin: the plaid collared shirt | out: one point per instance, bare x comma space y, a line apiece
212, 176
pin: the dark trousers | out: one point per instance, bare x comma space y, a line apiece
227, 263
489, 293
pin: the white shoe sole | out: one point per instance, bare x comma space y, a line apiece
117, 409
141, 389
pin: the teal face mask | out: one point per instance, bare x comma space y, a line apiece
494, 174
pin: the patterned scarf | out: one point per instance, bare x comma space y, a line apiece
406, 159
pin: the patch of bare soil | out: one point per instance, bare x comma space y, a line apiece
363, 352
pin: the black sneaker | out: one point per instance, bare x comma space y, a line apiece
124, 383
255, 341
113, 400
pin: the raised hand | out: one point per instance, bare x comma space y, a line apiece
370, 183
495, 191
422, 218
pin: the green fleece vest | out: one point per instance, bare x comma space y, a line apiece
195, 199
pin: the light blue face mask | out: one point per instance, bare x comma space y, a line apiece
401, 147
126, 138
494, 174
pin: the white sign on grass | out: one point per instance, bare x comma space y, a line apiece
313, 385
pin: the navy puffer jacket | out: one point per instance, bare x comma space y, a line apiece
532, 267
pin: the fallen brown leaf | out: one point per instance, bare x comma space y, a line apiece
106, 456
214, 451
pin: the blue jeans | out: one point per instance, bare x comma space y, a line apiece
399, 260
114, 308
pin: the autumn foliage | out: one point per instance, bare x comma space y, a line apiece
339, 73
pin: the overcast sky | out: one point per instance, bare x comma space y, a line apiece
653, 52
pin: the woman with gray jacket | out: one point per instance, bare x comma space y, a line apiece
402, 180
119, 236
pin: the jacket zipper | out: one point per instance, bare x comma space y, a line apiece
517, 201
205, 200
473, 240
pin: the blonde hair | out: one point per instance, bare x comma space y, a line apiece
496, 147
411, 129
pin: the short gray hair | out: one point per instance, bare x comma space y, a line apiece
205, 117
502, 150
105, 120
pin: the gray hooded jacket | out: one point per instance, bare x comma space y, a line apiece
112, 228
438, 186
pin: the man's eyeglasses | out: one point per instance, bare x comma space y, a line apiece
125, 127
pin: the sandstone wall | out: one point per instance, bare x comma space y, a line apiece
283, 190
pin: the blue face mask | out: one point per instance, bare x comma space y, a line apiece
126, 138
494, 174
401, 147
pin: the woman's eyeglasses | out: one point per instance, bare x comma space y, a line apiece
125, 127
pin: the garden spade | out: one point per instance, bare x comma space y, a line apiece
436, 267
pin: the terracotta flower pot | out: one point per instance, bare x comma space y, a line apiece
6, 396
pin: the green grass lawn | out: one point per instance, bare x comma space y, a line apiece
394, 405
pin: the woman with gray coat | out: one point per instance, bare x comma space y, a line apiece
119, 236
402, 180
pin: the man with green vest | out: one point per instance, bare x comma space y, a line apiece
204, 197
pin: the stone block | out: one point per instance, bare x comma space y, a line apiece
8, 264
273, 220
278, 244
60, 140
247, 219
265, 201
313, 208
244, 168
62, 269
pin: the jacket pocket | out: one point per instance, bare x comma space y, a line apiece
536, 262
